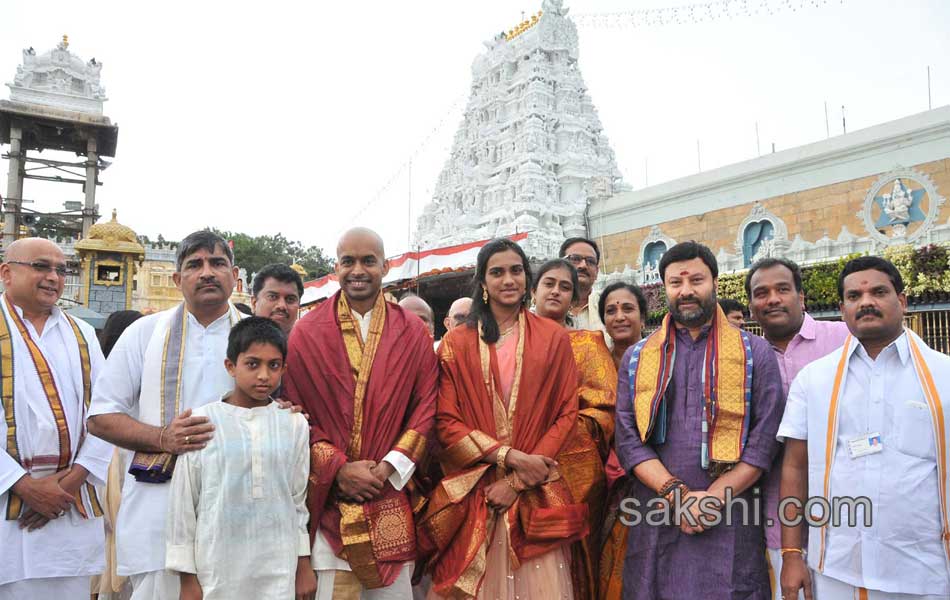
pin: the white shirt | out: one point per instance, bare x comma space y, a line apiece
901, 552
140, 525
322, 557
70, 545
237, 513
589, 319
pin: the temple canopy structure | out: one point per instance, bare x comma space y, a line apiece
530, 153
55, 104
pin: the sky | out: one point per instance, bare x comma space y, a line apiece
302, 117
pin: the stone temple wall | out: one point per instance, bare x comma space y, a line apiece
857, 193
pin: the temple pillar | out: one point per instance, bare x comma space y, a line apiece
92, 178
14, 198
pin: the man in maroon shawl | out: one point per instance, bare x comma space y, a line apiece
365, 372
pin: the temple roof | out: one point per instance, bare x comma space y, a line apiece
60, 79
111, 236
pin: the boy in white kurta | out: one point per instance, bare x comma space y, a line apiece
237, 518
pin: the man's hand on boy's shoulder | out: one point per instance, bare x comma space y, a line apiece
305, 585
287, 404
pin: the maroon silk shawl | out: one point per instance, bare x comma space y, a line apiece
399, 405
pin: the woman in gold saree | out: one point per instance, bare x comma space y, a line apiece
582, 458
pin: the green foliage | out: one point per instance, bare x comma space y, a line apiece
254, 252
656, 301
732, 285
821, 281
925, 269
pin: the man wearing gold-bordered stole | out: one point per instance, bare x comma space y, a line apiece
162, 367
868, 423
51, 531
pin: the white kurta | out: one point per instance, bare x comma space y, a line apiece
140, 525
901, 552
69, 546
237, 514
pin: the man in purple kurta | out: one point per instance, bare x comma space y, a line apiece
675, 560
777, 303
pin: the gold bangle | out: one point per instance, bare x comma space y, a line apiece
161, 436
785, 551
511, 484
502, 455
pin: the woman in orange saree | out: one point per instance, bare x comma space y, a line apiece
582, 458
623, 310
501, 521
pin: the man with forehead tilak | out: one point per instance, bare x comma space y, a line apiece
51, 532
698, 405
163, 366
869, 422
365, 371
777, 304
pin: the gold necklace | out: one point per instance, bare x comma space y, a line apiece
504, 334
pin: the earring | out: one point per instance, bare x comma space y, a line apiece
485, 295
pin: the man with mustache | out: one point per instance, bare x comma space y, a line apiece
163, 366
698, 405
365, 370
276, 293
585, 256
51, 531
777, 303
868, 421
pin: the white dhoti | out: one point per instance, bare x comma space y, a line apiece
156, 585
827, 588
343, 585
61, 588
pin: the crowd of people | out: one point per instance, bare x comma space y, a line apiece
545, 447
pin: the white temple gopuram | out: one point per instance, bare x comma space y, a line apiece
530, 152
59, 79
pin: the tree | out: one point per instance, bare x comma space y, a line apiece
254, 252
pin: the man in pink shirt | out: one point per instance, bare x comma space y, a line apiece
777, 303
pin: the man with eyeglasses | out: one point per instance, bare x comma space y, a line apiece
51, 530
458, 313
585, 256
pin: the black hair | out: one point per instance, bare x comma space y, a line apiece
480, 311
281, 273
729, 305
243, 308
558, 263
865, 263
113, 328
688, 251
621, 285
201, 240
768, 263
575, 240
255, 330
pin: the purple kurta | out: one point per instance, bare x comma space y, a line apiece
724, 562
